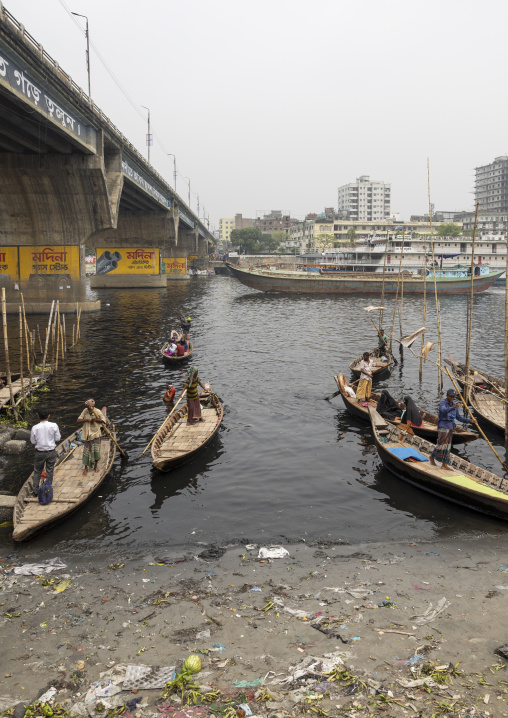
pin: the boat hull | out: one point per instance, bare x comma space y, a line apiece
354, 283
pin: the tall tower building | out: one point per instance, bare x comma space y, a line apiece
365, 200
491, 187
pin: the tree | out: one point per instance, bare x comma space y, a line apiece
449, 230
323, 240
248, 240
351, 233
273, 241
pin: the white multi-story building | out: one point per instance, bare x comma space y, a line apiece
491, 187
365, 200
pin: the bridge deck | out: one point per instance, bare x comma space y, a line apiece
5, 396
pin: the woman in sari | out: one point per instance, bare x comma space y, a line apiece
193, 404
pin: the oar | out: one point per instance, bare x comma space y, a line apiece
164, 422
505, 467
67, 456
123, 453
380, 335
336, 393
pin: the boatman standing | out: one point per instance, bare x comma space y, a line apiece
448, 411
186, 325
365, 383
91, 418
44, 435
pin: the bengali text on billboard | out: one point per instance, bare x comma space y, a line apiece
127, 260
175, 266
39, 263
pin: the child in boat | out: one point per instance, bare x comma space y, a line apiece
169, 396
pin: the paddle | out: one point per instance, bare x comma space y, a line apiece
164, 422
67, 456
123, 453
336, 393
505, 467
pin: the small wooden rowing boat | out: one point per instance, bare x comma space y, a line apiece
177, 442
174, 358
489, 407
70, 488
465, 484
428, 429
379, 366
476, 376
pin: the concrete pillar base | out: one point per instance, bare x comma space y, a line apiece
45, 307
177, 277
128, 280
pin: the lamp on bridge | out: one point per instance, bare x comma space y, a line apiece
188, 180
149, 137
87, 52
170, 154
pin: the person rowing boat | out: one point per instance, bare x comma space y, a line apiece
448, 412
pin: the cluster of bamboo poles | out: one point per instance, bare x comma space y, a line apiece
55, 345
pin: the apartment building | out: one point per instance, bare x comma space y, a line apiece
275, 220
491, 187
226, 226
365, 200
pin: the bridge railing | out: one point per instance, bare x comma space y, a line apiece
20, 30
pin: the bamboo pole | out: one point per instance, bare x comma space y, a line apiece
64, 334
470, 312
47, 337
506, 338
438, 319
62, 337
57, 333
7, 362
29, 354
383, 285
23, 398
397, 292
424, 299
73, 330
78, 319
401, 307
40, 342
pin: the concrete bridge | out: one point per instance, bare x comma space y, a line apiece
69, 178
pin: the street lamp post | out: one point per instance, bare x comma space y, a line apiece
87, 35
148, 136
188, 180
170, 154
198, 205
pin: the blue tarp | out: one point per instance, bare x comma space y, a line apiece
401, 452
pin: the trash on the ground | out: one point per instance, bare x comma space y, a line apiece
59, 587
245, 707
251, 546
420, 588
249, 684
504, 569
330, 632
34, 569
107, 695
203, 634
219, 646
255, 588
417, 682
502, 651
48, 696
502, 588
432, 613
148, 677
272, 552
212, 553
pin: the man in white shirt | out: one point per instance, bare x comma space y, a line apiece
365, 383
44, 435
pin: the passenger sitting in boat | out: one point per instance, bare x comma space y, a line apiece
387, 407
170, 349
412, 415
169, 396
448, 411
180, 349
365, 383
174, 335
185, 344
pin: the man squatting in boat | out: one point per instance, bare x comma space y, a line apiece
91, 418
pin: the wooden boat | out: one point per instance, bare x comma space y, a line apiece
267, 280
177, 442
428, 430
174, 358
70, 488
489, 407
466, 484
477, 376
379, 366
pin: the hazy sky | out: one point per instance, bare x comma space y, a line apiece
274, 104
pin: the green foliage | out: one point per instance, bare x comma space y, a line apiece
251, 240
351, 233
449, 230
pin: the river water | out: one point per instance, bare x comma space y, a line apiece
286, 465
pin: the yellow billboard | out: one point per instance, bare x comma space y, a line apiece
9, 262
127, 260
175, 266
44, 265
